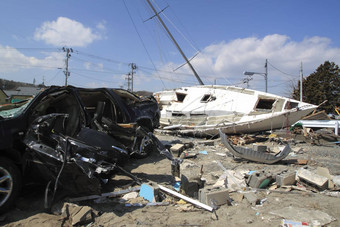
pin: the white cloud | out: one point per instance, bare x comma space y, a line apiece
101, 26
230, 59
226, 61
13, 60
87, 65
93, 66
67, 32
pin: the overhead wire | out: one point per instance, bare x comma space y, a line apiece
157, 36
281, 70
141, 39
89, 77
191, 43
102, 70
176, 28
29, 48
174, 80
33, 66
53, 77
101, 58
166, 33
92, 56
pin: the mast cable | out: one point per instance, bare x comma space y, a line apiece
142, 41
176, 44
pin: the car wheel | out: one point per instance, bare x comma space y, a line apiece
10, 183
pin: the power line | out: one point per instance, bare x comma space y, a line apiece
93, 78
282, 71
101, 58
55, 75
29, 48
32, 66
141, 40
177, 29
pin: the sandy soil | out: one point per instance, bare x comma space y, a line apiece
29, 209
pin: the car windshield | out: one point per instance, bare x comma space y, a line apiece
14, 112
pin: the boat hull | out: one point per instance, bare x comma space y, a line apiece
203, 110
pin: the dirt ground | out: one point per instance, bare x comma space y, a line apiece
277, 203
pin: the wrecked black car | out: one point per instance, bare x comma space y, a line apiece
84, 134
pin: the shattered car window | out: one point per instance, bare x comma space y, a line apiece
13, 112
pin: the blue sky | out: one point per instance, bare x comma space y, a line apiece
229, 37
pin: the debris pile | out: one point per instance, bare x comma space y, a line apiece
213, 175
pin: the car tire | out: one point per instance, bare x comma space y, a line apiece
10, 183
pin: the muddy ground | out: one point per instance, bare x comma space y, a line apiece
276, 203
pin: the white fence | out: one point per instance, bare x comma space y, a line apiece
321, 124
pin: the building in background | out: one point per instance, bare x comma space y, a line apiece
20, 94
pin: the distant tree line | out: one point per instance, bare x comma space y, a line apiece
321, 85
11, 85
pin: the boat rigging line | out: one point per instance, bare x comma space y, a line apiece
176, 44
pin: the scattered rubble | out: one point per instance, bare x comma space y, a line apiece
310, 217
216, 189
254, 155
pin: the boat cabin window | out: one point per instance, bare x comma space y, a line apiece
291, 105
180, 96
208, 98
177, 114
265, 104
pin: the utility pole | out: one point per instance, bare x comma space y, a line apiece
130, 76
68, 55
266, 74
301, 79
246, 80
176, 44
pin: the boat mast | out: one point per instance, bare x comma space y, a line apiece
176, 44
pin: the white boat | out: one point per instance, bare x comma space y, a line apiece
204, 109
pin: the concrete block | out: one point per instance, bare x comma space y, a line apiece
336, 180
232, 180
259, 180
322, 171
78, 215
236, 197
286, 178
177, 149
213, 196
320, 181
150, 192
190, 186
252, 198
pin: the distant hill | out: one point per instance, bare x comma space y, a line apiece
12, 85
